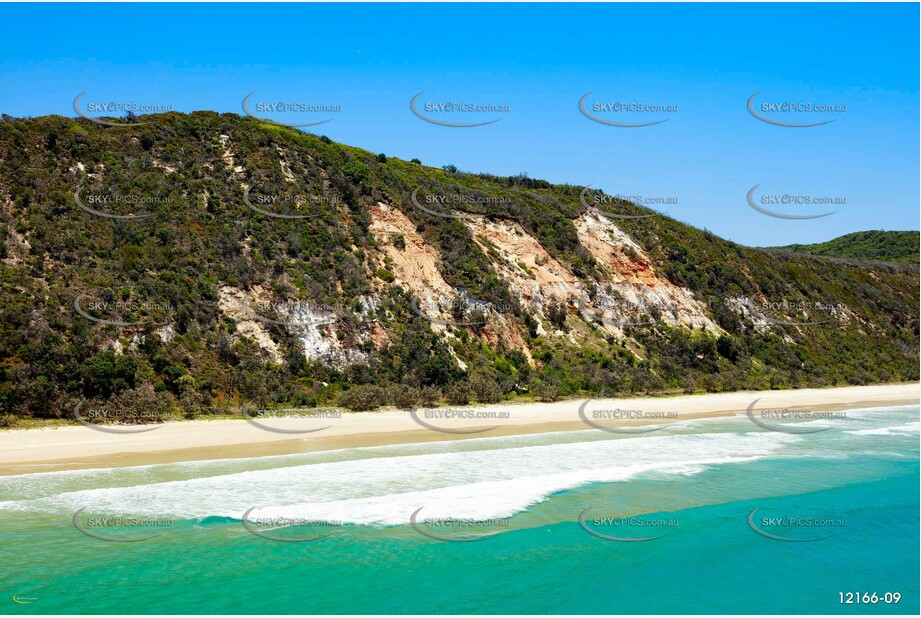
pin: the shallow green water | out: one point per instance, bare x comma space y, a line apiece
693, 486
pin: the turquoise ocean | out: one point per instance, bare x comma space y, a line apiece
704, 516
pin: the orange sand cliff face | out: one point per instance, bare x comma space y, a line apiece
629, 282
622, 259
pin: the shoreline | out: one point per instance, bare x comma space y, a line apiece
24, 451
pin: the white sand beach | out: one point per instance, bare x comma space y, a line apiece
37, 450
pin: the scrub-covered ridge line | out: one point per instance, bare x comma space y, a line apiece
186, 264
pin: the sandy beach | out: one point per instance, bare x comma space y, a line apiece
38, 450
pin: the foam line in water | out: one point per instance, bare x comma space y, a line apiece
495, 482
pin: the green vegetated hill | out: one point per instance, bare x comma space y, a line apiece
879, 245
208, 259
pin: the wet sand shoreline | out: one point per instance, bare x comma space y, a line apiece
77, 447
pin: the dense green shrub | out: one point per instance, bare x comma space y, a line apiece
485, 390
403, 396
545, 391
362, 398
458, 393
429, 396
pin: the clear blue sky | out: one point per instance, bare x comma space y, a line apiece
539, 60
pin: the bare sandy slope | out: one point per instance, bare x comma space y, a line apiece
37, 450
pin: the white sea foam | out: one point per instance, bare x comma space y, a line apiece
486, 483
888, 431
478, 478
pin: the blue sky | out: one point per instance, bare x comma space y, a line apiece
539, 60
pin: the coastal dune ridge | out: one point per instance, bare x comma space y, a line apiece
48, 449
